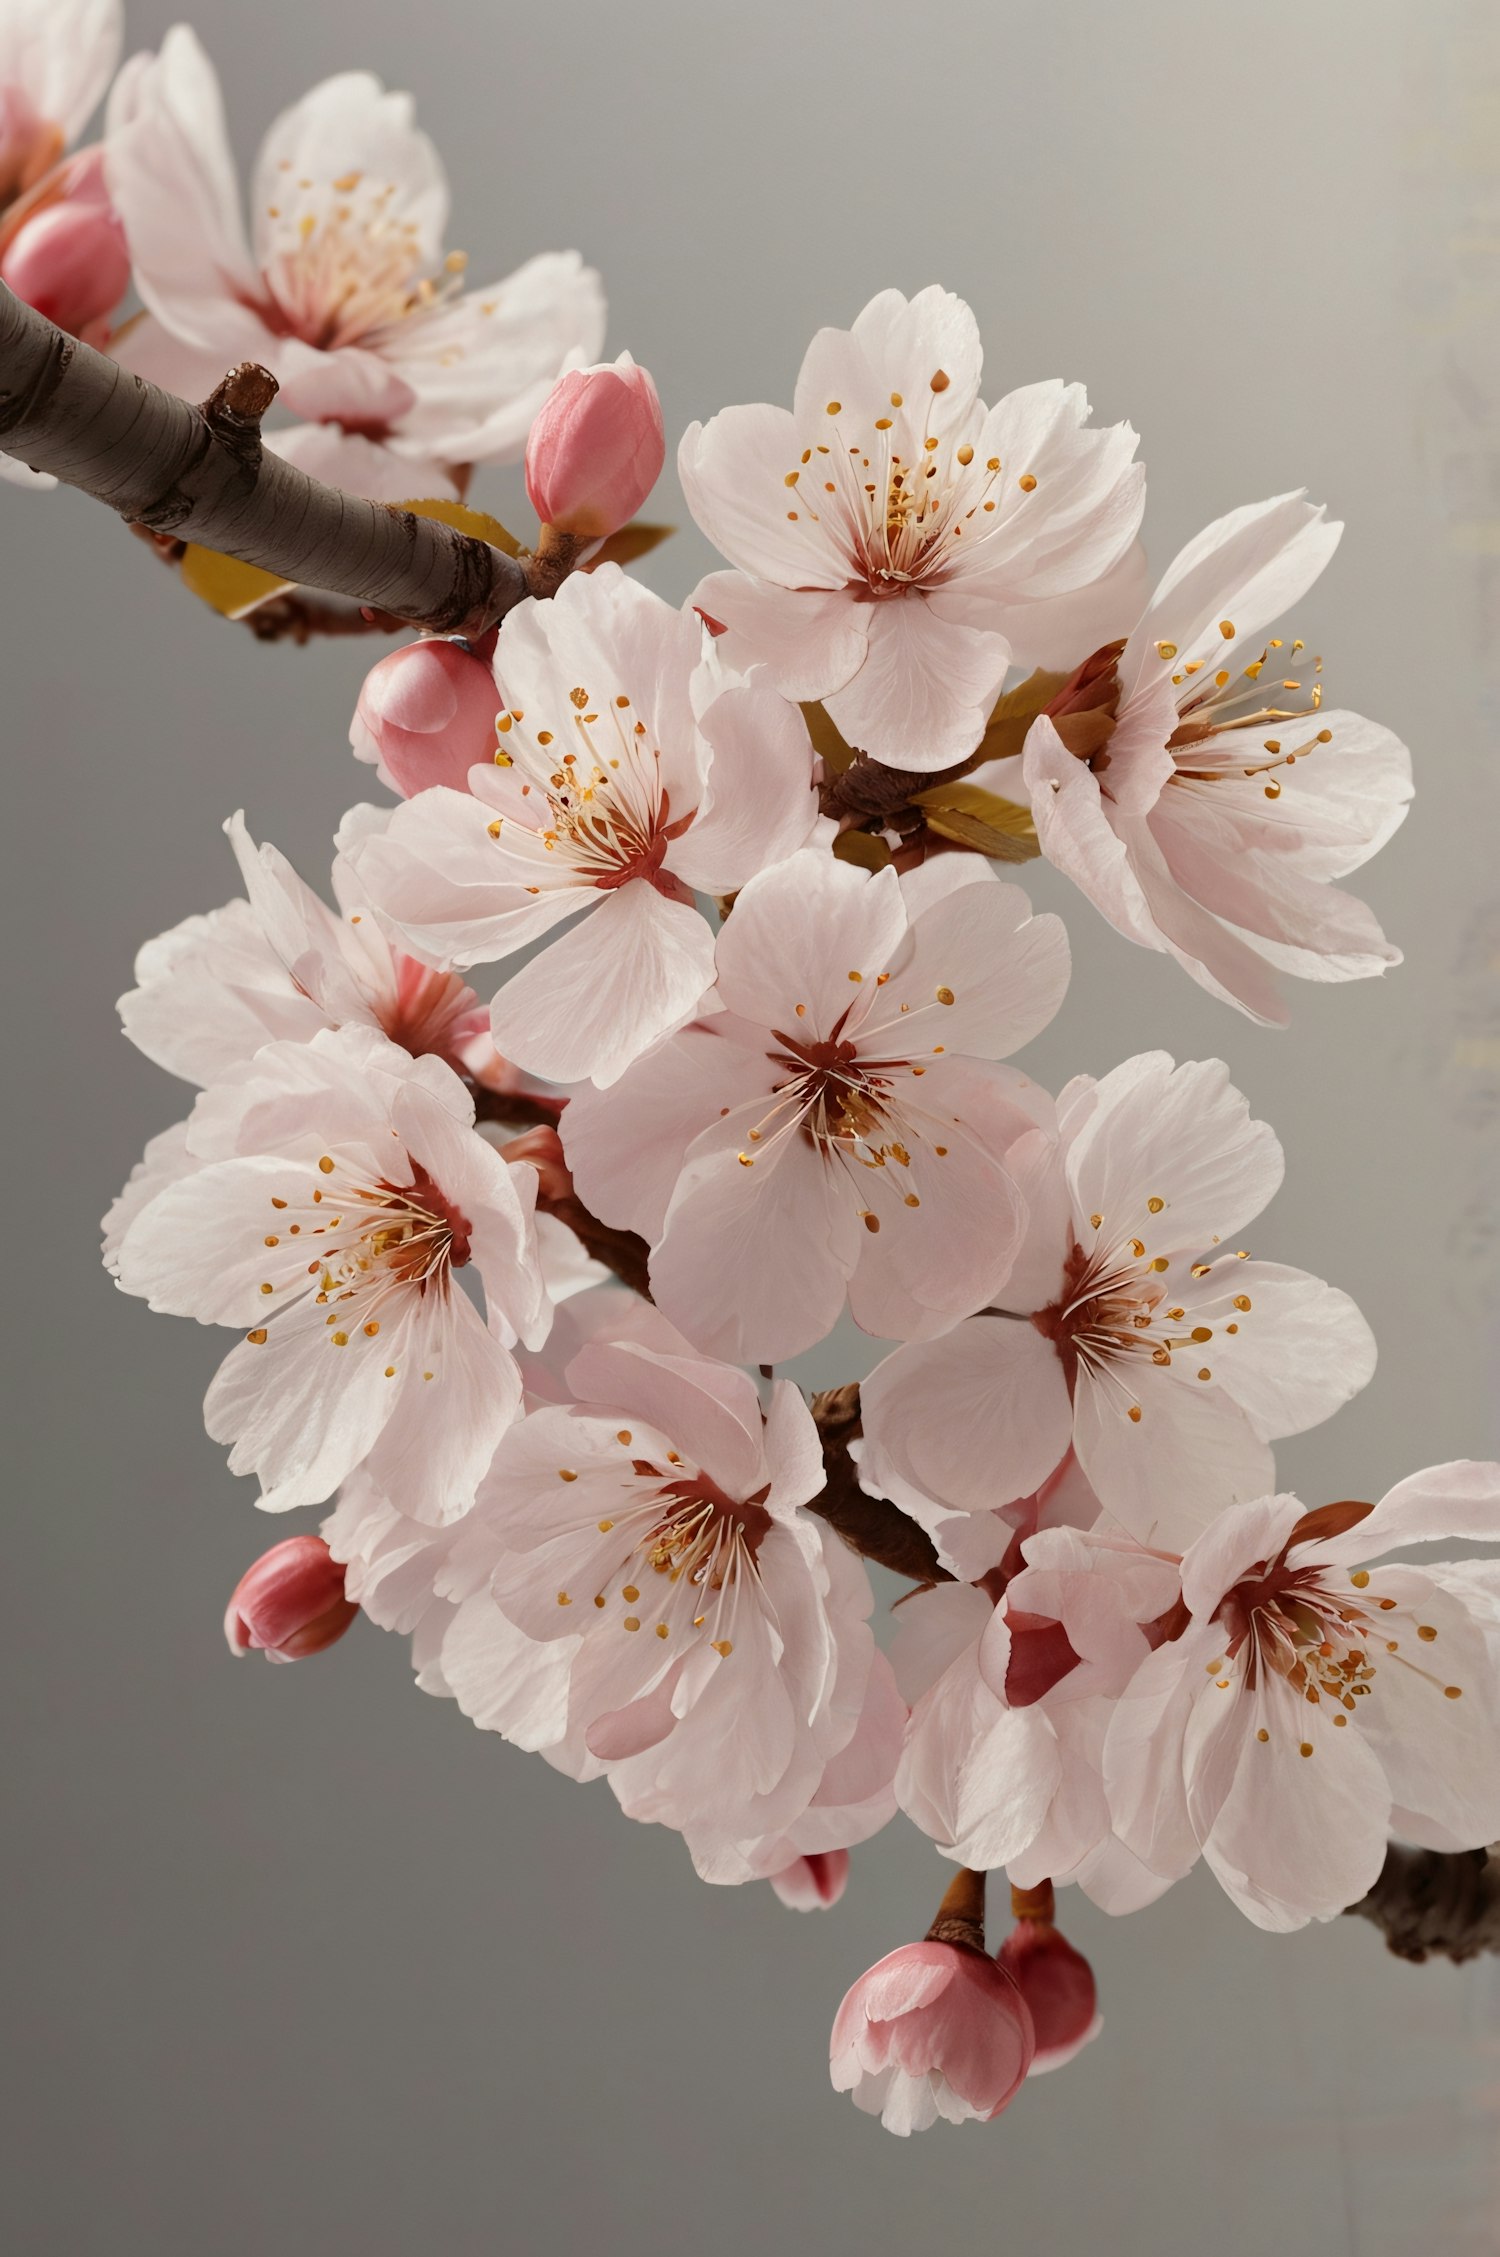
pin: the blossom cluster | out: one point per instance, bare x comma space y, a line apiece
510, 1272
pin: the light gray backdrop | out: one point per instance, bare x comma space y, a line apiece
299, 1961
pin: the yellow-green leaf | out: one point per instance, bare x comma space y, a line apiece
827, 743
1006, 730
477, 522
982, 820
630, 542
226, 585
864, 849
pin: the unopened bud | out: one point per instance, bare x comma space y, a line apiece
596, 449
815, 1881
1056, 1982
426, 716
291, 1603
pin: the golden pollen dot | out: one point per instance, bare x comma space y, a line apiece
257, 1338
1226, 629
1134, 1414
945, 995
1306, 1748
745, 1160
1096, 1220
390, 1371
273, 1241
339, 1339
372, 1328
1138, 1247
895, 399
268, 1289
1273, 791
912, 1200
1161, 1263
1426, 1632
326, 1165
624, 1435
965, 456
630, 1594
563, 1600
722, 1646
278, 1202
1201, 1269
1325, 736
1452, 1692
834, 407
599, 1599
940, 380
1166, 650
882, 423
1027, 483
1263, 1734
1202, 1332
605, 1526
857, 977
791, 477
632, 1622
1386, 1605
993, 463
566, 1473
941, 1150
1155, 1206
1360, 1578
661, 1630
1205, 1373
871, 1222
1242, 1301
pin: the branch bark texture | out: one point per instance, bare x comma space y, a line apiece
1436, 1903
202, 474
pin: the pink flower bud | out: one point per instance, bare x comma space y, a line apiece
291, 1603
426, 716
1057, 1984
67, 257
934, 2029
596, 449
815, 1881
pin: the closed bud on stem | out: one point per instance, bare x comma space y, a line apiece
596, 449
815, 1882
291, 1603
541, 1148
65, 252
1056, 1981
426, 716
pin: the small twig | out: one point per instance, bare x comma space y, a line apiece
872, 1526
1436, 1902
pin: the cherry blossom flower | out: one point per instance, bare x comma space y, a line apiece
890, 528
1004, 1757
815, 1139
1133, 1328
281, 965
291, 1603
342, 289
1227, 799
632, 769
345, 1149
652, 1522
1313, 1704
813, 1883
934, 2029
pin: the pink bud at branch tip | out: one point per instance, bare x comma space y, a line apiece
291, 1603
426, 716
815, 1882
1057, 1984
596, 449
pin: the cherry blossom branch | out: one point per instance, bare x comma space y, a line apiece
201, 474
1436, 1902
873, 1526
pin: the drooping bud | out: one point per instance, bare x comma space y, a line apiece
934, 2029
426, 716
1056, 1981
64, 249
596, 449
815, 1881
291, 1603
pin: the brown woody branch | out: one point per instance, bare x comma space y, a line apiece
201, 474
874, 1527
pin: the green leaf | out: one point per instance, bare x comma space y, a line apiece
981, 820
827, 743
864, 849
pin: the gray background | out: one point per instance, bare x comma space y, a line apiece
298, 1960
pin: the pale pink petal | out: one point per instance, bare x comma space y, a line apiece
350, 124
969, 1421
978, 972
1143, 1752
1060, 632
1301, 1348
926, 689
1232, 1545
504, 1681
1164, 1476
1075, 833
1243, 570
430, 1458
810, 640
62, 54
626, 1147
711, 1411
758, 805
1459, 1500
808, 933
589, 1004
733, 474
1179, 1133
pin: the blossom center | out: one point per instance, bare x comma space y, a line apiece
689, 1555
339, 268
1221, 713
601, 804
